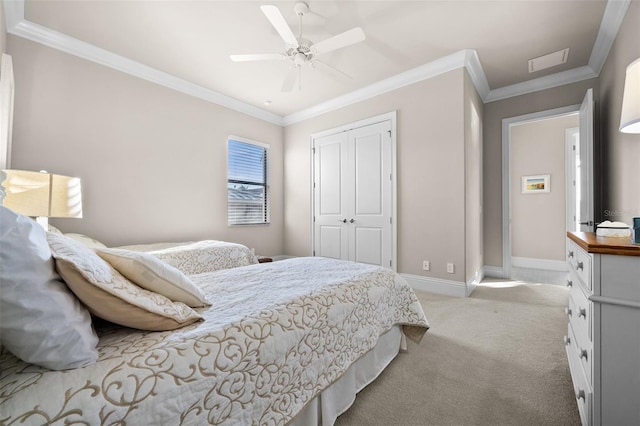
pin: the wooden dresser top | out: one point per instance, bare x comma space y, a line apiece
592, 243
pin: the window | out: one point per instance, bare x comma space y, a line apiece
247, 186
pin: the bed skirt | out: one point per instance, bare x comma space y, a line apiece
324, 409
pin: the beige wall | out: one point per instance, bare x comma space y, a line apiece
473, 180
538, 225
620, 152
3, 29
494, 113
152, 160
431, 174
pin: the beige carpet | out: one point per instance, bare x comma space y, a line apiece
496, 358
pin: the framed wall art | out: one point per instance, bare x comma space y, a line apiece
536, 184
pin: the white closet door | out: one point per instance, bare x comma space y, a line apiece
353, 195
370, 196
330, 197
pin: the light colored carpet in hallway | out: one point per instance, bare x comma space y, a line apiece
495, 358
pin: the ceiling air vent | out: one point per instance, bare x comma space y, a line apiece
549, 60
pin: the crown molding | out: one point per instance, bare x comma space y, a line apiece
468, 58
414, 75
542, 83
56, 40
611, 20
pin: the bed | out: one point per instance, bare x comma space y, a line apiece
287, 342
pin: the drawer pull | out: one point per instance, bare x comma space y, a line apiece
567, 340
581, 265
569, 283
580, 395
583, 354
567, 311
582, 313
570, 253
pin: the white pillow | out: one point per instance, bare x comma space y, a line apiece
41, 321
151, 273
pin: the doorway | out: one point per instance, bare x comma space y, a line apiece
535, 222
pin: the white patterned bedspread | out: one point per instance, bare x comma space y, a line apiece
276, 335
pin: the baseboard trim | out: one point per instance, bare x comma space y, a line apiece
493, 271
436, 285
544, 264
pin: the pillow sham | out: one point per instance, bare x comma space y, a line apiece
92, 243
41, 320
153, 274
109, 295
206, 256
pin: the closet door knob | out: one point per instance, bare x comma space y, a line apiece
582, 313
567, 340
581, 265
569, 283
580, 395
352, 220
567, 311
570, 253
342, 220
583, 354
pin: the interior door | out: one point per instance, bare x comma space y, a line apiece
330, 196
353, 198
370, 224
585, 192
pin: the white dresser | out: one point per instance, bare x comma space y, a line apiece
603, 337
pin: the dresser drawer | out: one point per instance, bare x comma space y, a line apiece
579, 312
581, 384
580, 262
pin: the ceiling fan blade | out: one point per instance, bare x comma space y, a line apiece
347, 38
277, 20
290, 79
257, 57
334, 72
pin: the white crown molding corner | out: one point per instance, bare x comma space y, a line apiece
423, 72
476, 73
13, 12
614, 14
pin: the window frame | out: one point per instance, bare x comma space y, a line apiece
266, 175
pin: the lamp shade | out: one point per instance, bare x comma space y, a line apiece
41, 194
630, 116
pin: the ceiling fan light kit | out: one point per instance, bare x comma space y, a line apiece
299, 49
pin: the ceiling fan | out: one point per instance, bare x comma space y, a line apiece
299, 50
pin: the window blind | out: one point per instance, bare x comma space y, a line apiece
247, 183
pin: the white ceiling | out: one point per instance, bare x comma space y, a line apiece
186, 44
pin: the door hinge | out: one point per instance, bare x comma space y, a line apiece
390, 264
390, 176
314, 252
313, 151
314, 219
389, 131
390, 220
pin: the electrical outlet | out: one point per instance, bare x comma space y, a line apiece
450, 268
426, 265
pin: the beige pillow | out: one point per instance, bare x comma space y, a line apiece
153, 274
109, 295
